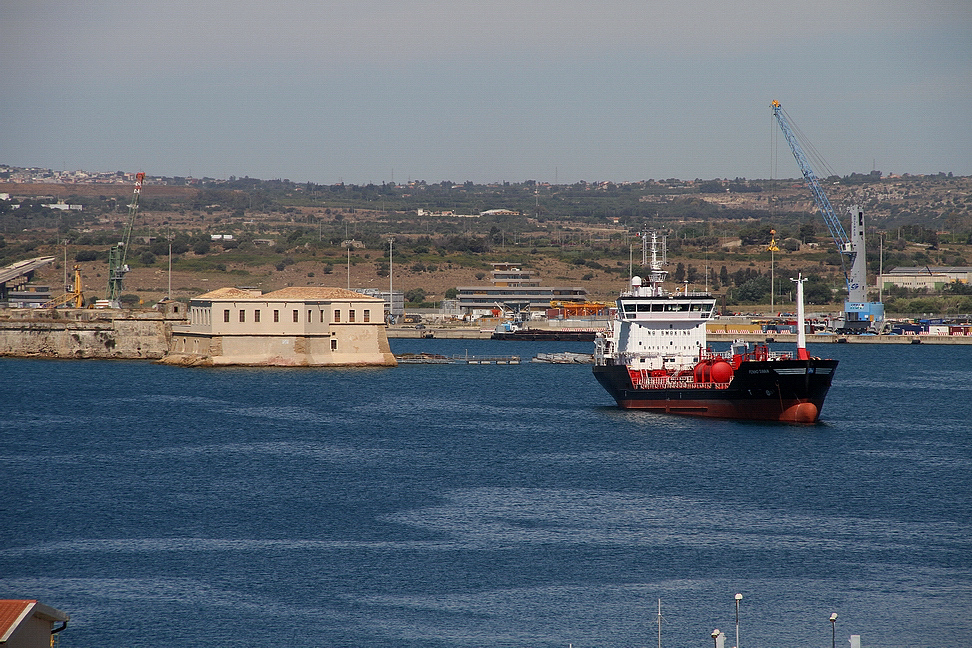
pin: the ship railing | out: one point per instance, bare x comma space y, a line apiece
603, 348
673, 382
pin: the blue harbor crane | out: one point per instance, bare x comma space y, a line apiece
859, 315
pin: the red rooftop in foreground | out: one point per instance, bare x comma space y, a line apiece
28, 624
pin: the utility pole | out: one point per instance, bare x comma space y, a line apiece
773, 249
391, 292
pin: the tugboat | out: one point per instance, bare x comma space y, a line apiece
656, 358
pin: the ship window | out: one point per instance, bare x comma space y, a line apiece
630, 307
644, 308
657, 308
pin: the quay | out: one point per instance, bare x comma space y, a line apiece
472, 333
785, 338
434, 358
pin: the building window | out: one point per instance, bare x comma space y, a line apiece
256, 315
242, 315
309, 318
226, 315
333, 344
350, 315
322, 317
337, 316
296, 315
367, 315
276, 315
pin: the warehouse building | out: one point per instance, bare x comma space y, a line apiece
929, 278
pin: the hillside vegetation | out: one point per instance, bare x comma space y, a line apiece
446, 234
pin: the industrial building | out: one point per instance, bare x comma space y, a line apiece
513, 285
298, 326
930, 278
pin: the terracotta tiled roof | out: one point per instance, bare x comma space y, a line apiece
228, 293
293, 292
11, 614
315, 292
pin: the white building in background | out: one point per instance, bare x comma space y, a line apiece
931, 278
289, 327
393, 305
514, 285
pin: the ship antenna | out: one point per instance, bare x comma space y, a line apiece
657, 276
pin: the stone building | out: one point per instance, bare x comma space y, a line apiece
290, 327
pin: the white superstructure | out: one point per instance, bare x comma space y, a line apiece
654, 329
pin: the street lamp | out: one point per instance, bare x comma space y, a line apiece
715, 638
738, 598
833, 630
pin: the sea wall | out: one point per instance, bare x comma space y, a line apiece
84, 333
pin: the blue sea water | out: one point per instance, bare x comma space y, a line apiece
492, 506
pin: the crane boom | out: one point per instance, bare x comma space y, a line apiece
823, 203
117, 268
858, 313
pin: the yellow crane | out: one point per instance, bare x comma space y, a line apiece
73, 296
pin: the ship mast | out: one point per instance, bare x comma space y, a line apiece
657, 275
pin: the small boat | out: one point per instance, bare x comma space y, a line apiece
656, 358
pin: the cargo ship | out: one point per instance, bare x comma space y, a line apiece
656, 358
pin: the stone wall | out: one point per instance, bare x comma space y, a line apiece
84, 333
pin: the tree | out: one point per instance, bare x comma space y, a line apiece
756, 235
808, 232
756, 290
817, 292
415, 296
692, 275
679, 273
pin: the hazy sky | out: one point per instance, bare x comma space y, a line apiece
372, 91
